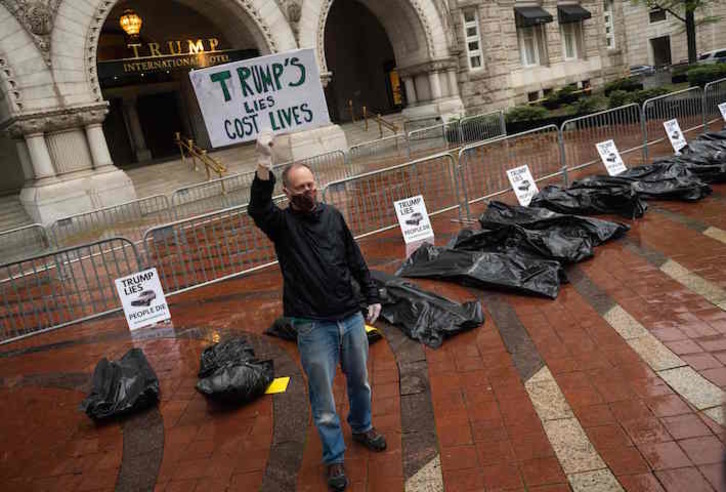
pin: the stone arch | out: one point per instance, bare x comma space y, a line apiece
415, 28
25, 81
78, 27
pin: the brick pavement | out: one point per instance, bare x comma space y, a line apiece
468, 416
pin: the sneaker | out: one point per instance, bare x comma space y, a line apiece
372, 439
337, 480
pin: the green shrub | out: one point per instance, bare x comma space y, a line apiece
679, 74
639, 97
701, 75
620, 98
567, 95
525, 113
587, 105
561, 97
626, 84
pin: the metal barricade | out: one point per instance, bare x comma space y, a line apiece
217, 194
23, 242
232, 191
366, 201
66, 286
714, 93
483, 166
437, 138
378, 154
129, 220
685, 105
327, 167
482, 127
622, 125
207, 248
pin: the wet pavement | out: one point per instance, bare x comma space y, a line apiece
618, 384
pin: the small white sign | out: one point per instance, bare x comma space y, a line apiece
675, 135
280, 92
523, 184
722, 108
143, 299
611, 157
413, 219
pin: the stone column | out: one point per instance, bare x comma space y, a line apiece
453, 83
435, 85
134, 126
39, 156
25, 162
410, 90
99, 149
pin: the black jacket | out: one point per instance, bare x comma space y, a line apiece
318, 257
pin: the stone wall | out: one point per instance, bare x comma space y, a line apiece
640, 31
504, 81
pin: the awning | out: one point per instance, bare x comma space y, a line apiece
531, 16
572, 13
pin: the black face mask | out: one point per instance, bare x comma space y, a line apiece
304, 202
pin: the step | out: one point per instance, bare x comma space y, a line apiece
12, 213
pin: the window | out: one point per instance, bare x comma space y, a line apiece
657, 14
472, 39
547, 92
608, 13
533, 96
532, 46
571, 40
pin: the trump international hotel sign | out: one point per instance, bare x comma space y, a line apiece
170, 56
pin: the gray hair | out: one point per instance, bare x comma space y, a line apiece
289, 168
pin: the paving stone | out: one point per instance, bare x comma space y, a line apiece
548, 400
594, 481
693, 387
572, 447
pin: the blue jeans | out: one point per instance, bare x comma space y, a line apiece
322, 344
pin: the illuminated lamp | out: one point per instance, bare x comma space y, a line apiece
131, 24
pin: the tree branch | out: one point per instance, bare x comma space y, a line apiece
652, 4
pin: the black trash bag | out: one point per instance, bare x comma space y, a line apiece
218, 355
618, 199
550, 243
660, 181
230, 373
709, 147
122, 387
423, 315
706, 157
702, 167
559, 226
283, 328
512, 271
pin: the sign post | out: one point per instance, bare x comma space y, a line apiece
280, 92
413, 219
523, 184
611, 157
143, 299
722, 108
675, 135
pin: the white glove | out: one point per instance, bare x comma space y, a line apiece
374, 310
265, 141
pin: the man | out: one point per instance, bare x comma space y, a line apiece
318, 258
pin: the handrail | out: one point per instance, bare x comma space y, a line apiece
197, 152
382, 123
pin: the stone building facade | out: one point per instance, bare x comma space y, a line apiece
68, 130
659, 38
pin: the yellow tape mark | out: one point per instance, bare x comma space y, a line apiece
278, 385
